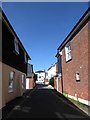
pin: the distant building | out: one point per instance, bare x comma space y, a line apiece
51, 71
73, 57
40, 76
14, 63
30, 78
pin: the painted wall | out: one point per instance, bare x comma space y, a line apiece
9, 55
40, 76
17, 89
52, 71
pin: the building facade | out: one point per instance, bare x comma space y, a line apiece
41, 75
73, 58
51, 72
14, 63
30, 77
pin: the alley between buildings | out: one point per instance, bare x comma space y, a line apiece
44, 102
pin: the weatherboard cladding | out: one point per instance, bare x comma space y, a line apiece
10, 28
9, 55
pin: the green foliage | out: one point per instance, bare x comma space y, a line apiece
83, 107
65, 94
51, 81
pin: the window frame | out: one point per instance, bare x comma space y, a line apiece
25, 57
16, 45
68, 52
23, 81
11, 82
77, 77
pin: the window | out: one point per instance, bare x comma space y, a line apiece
59, 64
11, 80
16, 46
39, 76
25, 58
68, 52
77, 77
23, 81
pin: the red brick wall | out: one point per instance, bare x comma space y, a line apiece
55, 83
79, 63
31, 83
56, 67
59, 84
45, 80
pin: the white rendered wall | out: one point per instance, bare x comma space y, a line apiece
40, 76
27, 83
52, 71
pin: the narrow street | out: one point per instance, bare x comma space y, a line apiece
45, 102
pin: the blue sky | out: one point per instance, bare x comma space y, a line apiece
42, 26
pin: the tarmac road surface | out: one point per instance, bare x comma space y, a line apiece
45, 102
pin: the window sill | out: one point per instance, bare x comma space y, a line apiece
15, 52
68, 60
10, 91
77, 80
25, 62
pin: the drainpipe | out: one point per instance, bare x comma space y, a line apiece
57, 83
62, 81
60, 53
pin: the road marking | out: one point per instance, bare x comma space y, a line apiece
26, 109
58, 115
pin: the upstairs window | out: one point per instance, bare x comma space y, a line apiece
16, 46
39, 76
25, 58
59, 64
11, 81
68, 52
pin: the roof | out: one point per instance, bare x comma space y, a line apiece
4, 18
82, 21
39, 71
52, 66
57, 54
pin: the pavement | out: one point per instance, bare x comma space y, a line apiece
42, 102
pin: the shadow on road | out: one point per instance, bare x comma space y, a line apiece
42, 102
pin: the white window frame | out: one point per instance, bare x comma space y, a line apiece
23, 81
16, 45
11, 82
68, 52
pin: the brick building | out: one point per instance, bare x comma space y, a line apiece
73, 58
